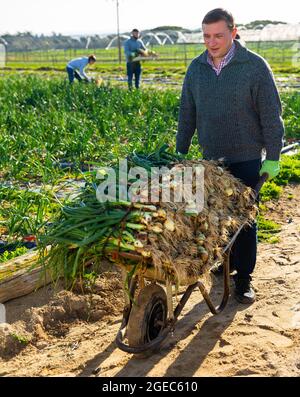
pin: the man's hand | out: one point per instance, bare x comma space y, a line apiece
272, 168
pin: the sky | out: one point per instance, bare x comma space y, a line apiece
99, 16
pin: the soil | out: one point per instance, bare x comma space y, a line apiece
54, 332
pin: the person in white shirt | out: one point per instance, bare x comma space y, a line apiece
75, 68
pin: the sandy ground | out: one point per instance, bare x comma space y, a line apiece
68, 334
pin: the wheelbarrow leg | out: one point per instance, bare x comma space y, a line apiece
169, 300
226, 273
127, 309
126, 295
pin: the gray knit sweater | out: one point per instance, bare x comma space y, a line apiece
236, 114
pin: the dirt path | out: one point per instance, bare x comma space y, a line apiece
259, 340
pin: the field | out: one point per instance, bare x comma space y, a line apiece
88, 123
278, 54
51, 137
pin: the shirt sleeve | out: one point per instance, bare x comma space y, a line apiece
269, 109
187, 117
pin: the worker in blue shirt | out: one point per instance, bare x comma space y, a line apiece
75, 68
133, 47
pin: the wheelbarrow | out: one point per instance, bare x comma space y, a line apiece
148, 321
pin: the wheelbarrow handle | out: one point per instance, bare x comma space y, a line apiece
260, 183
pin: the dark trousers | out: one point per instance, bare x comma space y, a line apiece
243, 253
134, 69
73, 74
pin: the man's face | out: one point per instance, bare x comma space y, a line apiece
135, 34
218, 38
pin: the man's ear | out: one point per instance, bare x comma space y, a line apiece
234, 33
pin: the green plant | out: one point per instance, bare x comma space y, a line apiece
291, 114
20, 338
290, 170
25, 212
6, 256
270, 191
266, 230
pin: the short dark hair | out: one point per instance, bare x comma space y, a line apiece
92, 57
135, 30
219, 14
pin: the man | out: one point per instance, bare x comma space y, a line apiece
229, 96
75, 68
132, 48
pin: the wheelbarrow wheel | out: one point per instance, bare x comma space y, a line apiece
148, 315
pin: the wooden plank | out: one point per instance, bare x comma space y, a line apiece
23, 283
19, 262
25, 280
